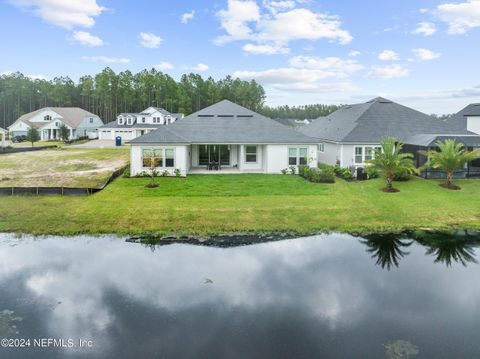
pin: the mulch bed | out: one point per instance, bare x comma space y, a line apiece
452, 187
389, 190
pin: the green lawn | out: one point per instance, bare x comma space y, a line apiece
208, 204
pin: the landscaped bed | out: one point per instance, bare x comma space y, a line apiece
63, 167
210, 204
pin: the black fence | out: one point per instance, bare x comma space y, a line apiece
62, 191
24, 149
438, 174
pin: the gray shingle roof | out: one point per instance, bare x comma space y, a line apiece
114, 124
71, 116
370, 121
226, 122
428, 140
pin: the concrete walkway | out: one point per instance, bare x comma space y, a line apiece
96, 144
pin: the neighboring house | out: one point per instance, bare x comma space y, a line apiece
226, 136
292, 122
350, 135
48, 121
132, 125
464, 128
3, 135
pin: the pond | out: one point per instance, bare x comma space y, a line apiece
325, 296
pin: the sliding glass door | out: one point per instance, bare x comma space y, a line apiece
214, 153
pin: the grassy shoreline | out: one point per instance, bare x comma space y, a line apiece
219, 204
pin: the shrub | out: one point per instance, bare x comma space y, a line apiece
401, 175
317, 175
284, 171
371, 172
343, 172
292, 169
126, 173
302, 169
177, 172
165, 173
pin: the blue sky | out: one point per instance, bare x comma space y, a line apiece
424, 54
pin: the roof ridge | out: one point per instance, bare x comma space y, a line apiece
175, 133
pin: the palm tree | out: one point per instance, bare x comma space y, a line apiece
450, 158
389, 160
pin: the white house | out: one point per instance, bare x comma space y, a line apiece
132, 125
349, 136
48, 121
223, 138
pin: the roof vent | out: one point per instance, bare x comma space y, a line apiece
205, 116
244, 116
224, 115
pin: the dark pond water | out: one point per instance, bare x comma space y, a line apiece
327, 296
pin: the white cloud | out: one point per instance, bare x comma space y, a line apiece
306, 73
185, 18
334, 64
354, 53
150, 40
282, 23
85, 38
201, 67
265, 49
425, 28
425, 54
460, 17
388, 72
107, 60
388, 55
67, 14
164, 65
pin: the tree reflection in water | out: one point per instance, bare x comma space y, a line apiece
387, 249
450, 247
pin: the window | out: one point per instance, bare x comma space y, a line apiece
292, 156
120, 121
169, 157
358, 154
369, 153
321, 147
297, 156
149, 155
162, 157
91, 119
47, 118
57, 124
251, 154
302, 158
143, 119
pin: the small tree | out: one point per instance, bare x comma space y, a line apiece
451, 157
64, 133
389, 160
152, 158
32, 135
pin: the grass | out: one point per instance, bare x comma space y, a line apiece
66, 167
210, 204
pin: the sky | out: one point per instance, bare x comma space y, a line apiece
424, 54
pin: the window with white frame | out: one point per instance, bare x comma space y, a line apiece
251, 154
161, 157
47, 118
297, 156
321, 147
91, 119
358, 154
365, 153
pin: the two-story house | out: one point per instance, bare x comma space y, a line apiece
132, 125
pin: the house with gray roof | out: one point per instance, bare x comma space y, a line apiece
222, 138
132, 125
3, 135
349, 136
48, 121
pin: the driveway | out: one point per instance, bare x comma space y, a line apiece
96, 144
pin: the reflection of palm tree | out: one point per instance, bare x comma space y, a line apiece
387, 249
456, 247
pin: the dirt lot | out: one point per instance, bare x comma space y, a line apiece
61, 167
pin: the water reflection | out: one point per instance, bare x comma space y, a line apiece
388, 249
313, 297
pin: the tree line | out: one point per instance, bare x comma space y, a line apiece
107, 94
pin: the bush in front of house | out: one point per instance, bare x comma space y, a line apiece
343, 172
401, 175
324, 174
371, 172
302, 169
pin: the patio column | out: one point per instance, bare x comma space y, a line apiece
2, 134
71, 134
241, 156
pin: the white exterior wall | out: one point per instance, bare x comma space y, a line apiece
87, 128
40, 117
277, 157
257, 166
348, 154
18, 128
331, 153
473, 124
181, 159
